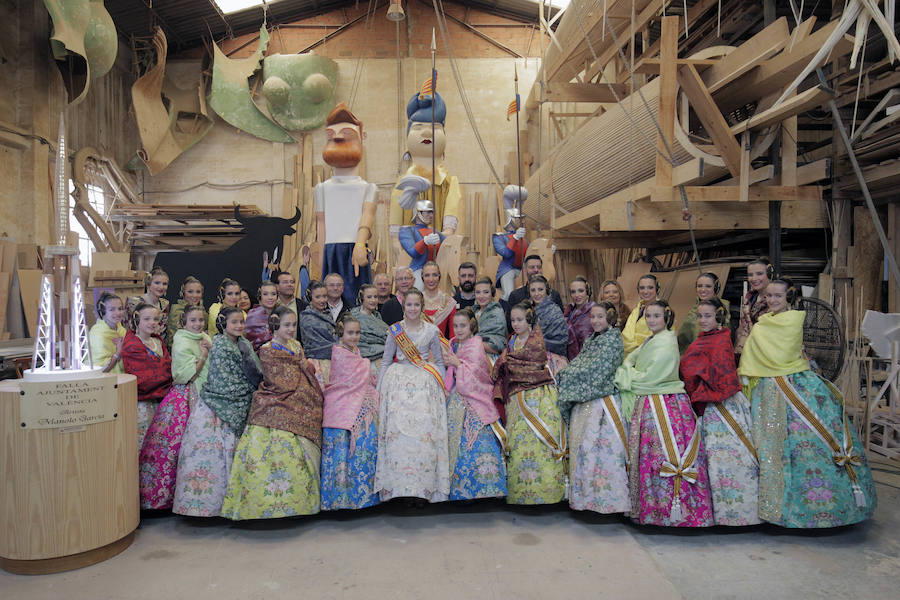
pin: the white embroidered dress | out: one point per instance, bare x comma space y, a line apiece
413, 458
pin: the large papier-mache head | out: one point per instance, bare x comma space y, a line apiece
418, 130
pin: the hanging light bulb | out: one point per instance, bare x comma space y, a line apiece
395, 11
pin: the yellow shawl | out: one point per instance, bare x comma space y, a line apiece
636, 331
102, 346
775, 346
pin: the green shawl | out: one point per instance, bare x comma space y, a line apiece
234, 374
690, 329
590, 374
651, 369
373, 332
175, 312
492, 326
185, 355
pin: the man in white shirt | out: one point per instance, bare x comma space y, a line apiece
345, 204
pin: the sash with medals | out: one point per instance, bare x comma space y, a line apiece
412, 353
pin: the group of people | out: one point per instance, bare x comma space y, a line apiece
301, 405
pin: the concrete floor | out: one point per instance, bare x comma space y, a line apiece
487, 551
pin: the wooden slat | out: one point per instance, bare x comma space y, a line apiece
755, 193
748, 55
668, 88
802, 102
709, 115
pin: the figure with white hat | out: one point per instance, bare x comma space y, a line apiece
420, 240
511, 243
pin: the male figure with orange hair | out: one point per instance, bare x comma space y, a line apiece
345, 204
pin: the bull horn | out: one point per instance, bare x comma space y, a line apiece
296, 218
237, 214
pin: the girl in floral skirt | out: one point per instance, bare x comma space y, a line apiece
276, 465
217, 420
350, 425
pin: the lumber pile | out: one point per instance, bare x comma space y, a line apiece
184, 227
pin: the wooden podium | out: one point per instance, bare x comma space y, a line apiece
68, 498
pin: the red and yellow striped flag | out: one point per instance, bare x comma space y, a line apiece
429, 85
513, 108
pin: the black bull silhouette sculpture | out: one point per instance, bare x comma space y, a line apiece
244, 261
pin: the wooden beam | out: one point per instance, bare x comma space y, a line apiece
709, 115
748, 55
802, 102
623, 240
744, 175
583, 92
755, 193
668, 89
650, 66
650, 11
691, 172
774, 74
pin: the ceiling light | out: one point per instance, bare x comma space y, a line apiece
233, 6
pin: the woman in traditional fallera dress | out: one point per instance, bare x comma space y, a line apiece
439, 305
275, 472
711, 380
317, 331
350, 424
491, 318
373, 329
667, 463
611, 291
813, 471
144, 354
476, 436
218, 419
162, 409
412, 422
636, 331
155, 288
553, 324
759, 273
708, 288
229, 295
598, 435
191, 295
536, 468
578, 315
108, 334
162, 444
256, 329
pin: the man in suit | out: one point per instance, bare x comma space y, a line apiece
533, 266
334, 290
393, 308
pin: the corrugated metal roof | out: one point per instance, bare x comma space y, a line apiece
186, 22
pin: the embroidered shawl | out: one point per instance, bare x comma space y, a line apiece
635, 331
690, 329
521, 370
185, 355
232, 380
473, 378
154, 373
102, 345
351, 400
651, 369
256, 328
318, 333
289, 398
492, 326
373, 332
553, 325
775, 346
708, 370
579, 322
590, 375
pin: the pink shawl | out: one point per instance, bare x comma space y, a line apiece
473, 379
351, 400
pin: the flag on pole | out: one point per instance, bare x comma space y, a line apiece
429, 86
513, 107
